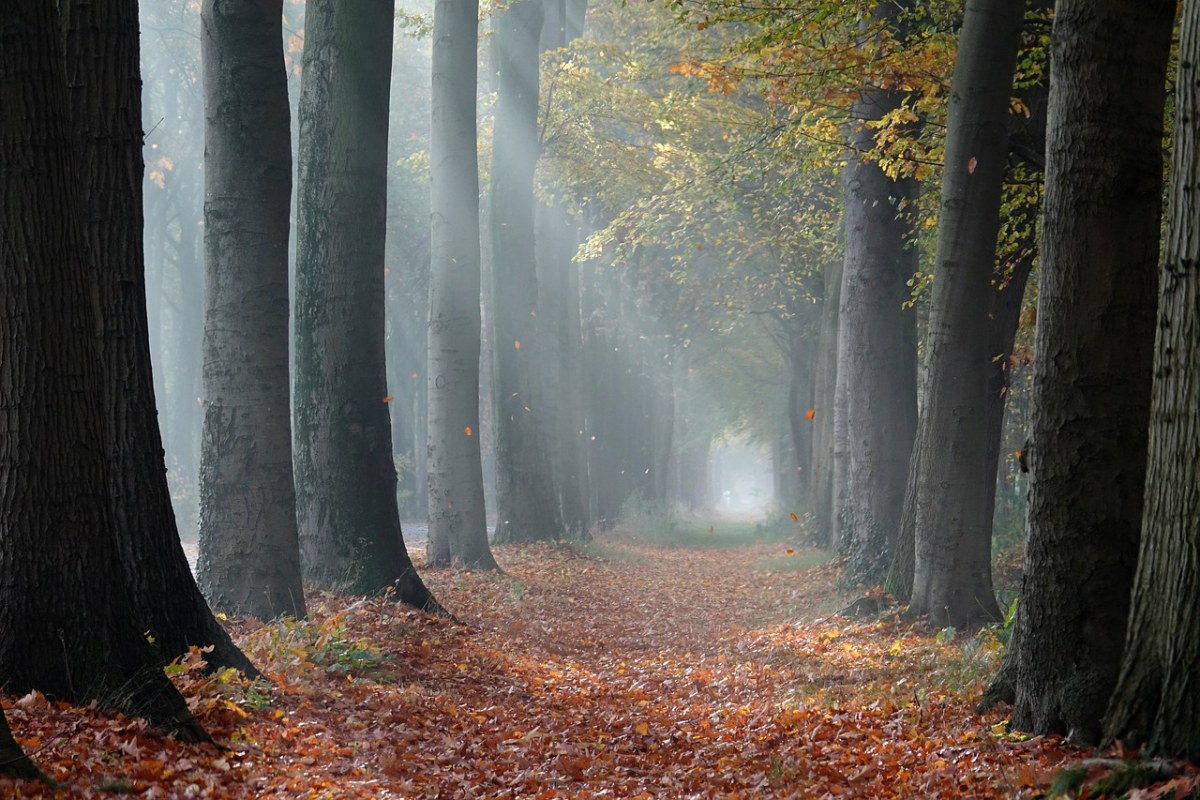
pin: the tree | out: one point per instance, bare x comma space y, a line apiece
556, 241
80, 638
102, 68
1155, 700
877, 334
13, 761
345, 474
1092, 358
457, 524
526, 504
953, 473
249, 556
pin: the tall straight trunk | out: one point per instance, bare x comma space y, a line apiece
1156, 700
346, 508
249, 553
955, 479
457, 525
527, 508
69, 625
558, 301
824, 385
1092, 358
839, 482
877, 348
103, 73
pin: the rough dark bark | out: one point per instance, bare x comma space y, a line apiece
1092, 359
346, 508
103, 73
67, 627
955, 478
457, 525
526, 505
249, 553
1156, 701
13, 761
877, 334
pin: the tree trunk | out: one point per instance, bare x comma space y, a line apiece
955, 478
527, 509
1092, 360
13, 761
68, 623
249, 554
877, 337
457, 525
347, 514
103, 73
1156, 699
824, 385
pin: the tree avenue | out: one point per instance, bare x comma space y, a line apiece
835, 336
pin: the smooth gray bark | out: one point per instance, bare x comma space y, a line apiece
955, 478
249, 553
1092, 357
347, 512
824, 387
877, 337
1156, 700
457, 525
526, 505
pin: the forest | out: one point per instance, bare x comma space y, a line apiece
600, 398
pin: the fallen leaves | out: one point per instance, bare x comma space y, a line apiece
663, 673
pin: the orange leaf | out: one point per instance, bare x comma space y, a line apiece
467, 430
642, 729
790, 551
810, 414
794, 517
388, 399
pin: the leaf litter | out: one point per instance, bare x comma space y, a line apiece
645, 672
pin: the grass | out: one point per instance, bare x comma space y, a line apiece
798, 562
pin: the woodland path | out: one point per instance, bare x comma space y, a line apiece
620, 670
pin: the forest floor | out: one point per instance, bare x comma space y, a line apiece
709, 666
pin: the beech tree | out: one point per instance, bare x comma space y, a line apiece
249, 553
1155, 700
345, 475
526, 502
102, 40
457, 524
79, 639
1092, 359
877, 337
954, 476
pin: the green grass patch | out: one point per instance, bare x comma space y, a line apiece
603, 551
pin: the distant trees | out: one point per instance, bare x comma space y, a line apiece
457, 523
249, 558
526, 503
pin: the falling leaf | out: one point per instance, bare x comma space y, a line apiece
388, 399
790, 551
794, 517
467, 430
810, 414
971, 166
517, 344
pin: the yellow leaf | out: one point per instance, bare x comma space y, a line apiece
642, 729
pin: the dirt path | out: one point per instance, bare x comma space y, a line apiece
630, 672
